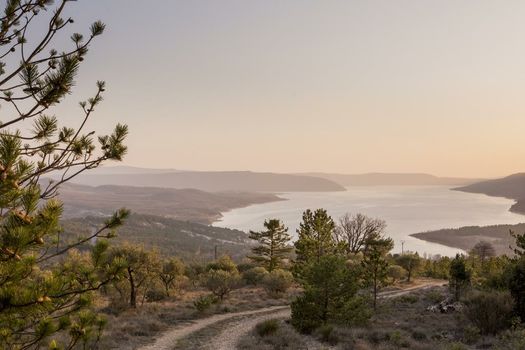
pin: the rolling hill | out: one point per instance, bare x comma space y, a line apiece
391, 179
187, 204
244, 181
512, 187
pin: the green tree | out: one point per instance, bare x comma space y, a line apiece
330, 295
273, 245
141, 267
375, 265
221, 282
411, 262
172, 269
517, 287
45, 287
396, 273
315, 237
459, 275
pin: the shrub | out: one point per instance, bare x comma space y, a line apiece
155, 294
396, 272
471, 334
221, 282
277, 282
419, 335
408, 299
511, 340
243, 267
397, 339
204, 302
456, 346
326, 334
267, 327
490, 312
224, 263
255, 275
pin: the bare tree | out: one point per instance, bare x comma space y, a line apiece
483, 250
354, 231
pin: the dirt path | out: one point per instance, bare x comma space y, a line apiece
168, 340
228, 338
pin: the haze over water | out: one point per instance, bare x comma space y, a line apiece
406, 210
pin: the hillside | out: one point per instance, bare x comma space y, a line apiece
391, 179
171, 237
512, 187
466, 237
187, 204
244, 181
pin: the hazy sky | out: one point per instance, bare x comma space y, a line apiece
309, 85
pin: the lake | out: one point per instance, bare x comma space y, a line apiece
406, 210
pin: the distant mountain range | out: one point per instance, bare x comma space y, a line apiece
512, 187
392, 179
245, 181
248, 181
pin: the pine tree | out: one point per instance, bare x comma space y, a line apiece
316, 237
273, 248
459, 275
375, 265
46, 285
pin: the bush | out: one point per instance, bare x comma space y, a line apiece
512, 340
277, 282
155, 294
204, 302
243, 267
326, 334
255, 275
490, 312
221, 282
267, 327
419, 335
224, 263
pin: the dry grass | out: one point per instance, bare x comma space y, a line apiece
132, 328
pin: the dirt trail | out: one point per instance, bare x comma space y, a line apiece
235, 330
168, 340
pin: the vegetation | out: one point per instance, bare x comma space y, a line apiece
354, 232
273, 246
411, 262
459, 275
330, 295
315, 237
46, 287
375, 265
277, 282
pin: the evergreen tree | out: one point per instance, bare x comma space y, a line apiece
375, 265
316, 237
273, 248
459, 275
46, 286
330, 295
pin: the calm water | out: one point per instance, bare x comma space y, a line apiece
406, 210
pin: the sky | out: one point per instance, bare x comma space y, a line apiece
306, 85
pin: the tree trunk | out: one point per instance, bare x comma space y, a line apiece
133, 291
